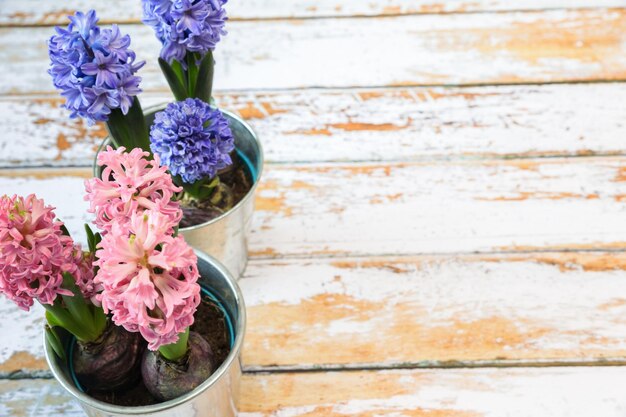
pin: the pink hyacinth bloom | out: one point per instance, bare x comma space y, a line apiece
34, 254
84, 276
148, 278
130, 183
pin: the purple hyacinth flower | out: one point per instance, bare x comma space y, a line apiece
189, 16
192, 140
105, 68
126, 92
84, 24
185, 26
115, 42
102, 100
93, 68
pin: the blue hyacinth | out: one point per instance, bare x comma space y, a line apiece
192, 140
93, 68
185, 25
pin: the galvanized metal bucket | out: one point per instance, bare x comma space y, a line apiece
216, 397
226, 236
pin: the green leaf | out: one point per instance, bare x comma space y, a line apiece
57, 315
99, 318
202, 189
64, 230
178, 88
55, 342
192, 73
75, 304
204, 83
180, 72
52, 319
98, 239
176, 351
129, 130
74, 313
91, 239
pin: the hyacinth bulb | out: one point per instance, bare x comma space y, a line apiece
167, 380
110, 363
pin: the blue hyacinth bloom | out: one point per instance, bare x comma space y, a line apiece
185, 25
94, 68
192, 139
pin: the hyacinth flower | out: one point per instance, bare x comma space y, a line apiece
147, 274
189, 30
95, 71
130, 184
194, 141
40, 262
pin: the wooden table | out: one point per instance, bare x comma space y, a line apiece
440, 227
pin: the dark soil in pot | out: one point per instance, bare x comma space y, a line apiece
238, 181
210, 323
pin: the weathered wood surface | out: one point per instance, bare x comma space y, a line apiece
407, 207
38, 12
418, 311
555, 392
551, 46
359, 125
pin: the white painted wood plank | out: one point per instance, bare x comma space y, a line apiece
512, 309
409, 208
439, 207
38, 12
424, 311
555, 392
398, 124
410, 50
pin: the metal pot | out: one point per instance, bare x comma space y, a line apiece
216, 397
226, 236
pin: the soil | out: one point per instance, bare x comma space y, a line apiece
237, 181
210, 323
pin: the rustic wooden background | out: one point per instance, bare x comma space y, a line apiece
440, 227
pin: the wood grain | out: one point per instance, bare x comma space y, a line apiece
36, 12
407, 208
538, 47
436, 311
367, 124
559, 392
419, 311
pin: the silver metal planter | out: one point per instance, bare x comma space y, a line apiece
216, 397
226, 236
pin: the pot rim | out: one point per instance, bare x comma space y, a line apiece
233, 355
250, 194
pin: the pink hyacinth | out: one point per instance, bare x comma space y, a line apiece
148, 278
130, 183
34, 254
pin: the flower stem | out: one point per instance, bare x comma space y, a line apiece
176, 351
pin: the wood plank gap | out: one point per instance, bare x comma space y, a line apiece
490, 364
523, 251
548, 363
270, 19
54, 95
36, 170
